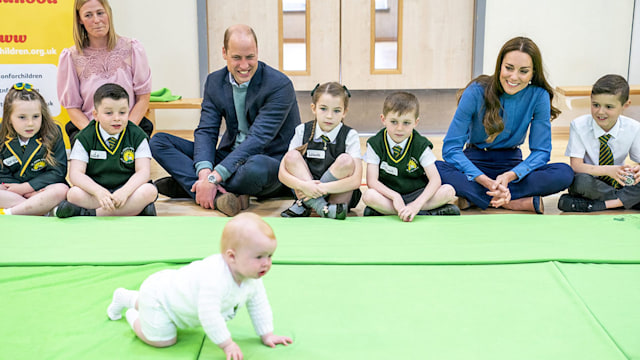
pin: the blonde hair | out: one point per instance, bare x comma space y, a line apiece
242, 228
80, 35
49, 131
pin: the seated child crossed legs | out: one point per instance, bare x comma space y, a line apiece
110, 163
401, 174
323, 164
207, 292
598, 145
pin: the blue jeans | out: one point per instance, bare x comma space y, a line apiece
258, 176
546, 180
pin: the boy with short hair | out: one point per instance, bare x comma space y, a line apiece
207, 292
401, 174
598, 146
110, 163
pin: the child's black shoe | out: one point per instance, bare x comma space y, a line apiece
66, 209
446, 209
368, 211
570, 203
297, 209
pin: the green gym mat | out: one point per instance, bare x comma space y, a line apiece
516, 311
612, 294
480, 287
372, 240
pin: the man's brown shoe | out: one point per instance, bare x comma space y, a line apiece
228, 204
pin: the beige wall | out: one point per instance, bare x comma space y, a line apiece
575, 47
261, 15
579, 40
168, 31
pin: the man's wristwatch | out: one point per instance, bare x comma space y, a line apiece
212, 179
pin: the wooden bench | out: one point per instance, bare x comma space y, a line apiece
570, 93
195, 103
586, 90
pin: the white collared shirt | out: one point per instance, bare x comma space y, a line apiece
427, 158
352, 142
584, 142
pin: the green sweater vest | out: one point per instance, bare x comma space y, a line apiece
404, 175
111, 168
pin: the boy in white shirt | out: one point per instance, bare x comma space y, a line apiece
598, 146
207, 292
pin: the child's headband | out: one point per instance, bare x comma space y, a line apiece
23, 86
318, 85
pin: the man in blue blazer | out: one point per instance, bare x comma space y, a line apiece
260, 111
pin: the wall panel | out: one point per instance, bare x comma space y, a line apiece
437, 45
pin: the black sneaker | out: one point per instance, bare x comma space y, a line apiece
447, 209
341, 211
168, 186
66, 209
368, 211
570, 203
149, 210
297, 209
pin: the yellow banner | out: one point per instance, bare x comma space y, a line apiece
32, 35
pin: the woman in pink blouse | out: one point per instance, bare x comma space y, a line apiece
100, 56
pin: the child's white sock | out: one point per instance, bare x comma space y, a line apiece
122, 298
132, 316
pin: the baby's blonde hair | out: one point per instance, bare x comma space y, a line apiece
242, 228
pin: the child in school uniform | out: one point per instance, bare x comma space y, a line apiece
401, 174
207, 292
323, 163
598, 145
32, 154
110, 163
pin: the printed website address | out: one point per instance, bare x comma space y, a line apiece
39, 52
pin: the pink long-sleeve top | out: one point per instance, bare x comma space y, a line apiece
79, 76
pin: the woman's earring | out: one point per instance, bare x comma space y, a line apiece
529, 82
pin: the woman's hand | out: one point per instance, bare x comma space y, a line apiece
507, 177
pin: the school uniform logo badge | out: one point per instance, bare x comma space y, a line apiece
128, 155
38, 165
412, 165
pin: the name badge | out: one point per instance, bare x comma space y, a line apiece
315, 154
388, 169
10, 161
98, 154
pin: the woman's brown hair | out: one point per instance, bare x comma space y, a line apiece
493, 123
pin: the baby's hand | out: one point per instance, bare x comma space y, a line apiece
272, 340
232, 350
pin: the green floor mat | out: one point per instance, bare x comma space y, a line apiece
612, 294
519, 311
60, 313
491, 239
